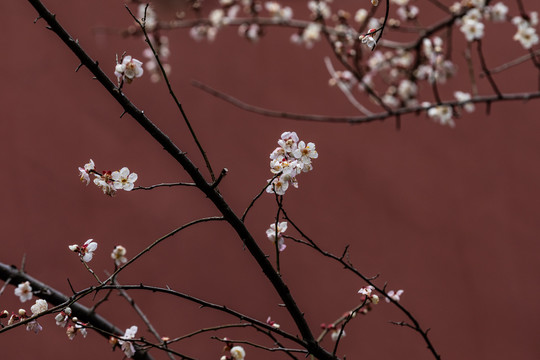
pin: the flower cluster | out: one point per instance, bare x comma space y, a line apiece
86, 251
291, 158
526, 32
21, 315
108, 181
274, 233
127, 69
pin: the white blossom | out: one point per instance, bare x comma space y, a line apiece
123, 179
127, 346
472, 29
272, 232
442, 114
129, 69
238, 353
464, 98
24, 291
39, 307
119, 255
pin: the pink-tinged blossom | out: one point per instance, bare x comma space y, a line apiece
119, 255
238, 353
367, 291
127, 346
128, 69
62, 317
123, 179
288, 141
396, 296
272, 232
272, 323
105, 182
86, 251
75, 329
34, 326
24, 291
369, 41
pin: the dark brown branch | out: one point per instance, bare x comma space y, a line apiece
55, 297
357, 119
212, 194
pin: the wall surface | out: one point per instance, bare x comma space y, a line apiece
448, 215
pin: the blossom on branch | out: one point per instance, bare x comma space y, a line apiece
367, 291
119, 255
127, 346
39, 307
85, 172
128, 69
24, 291
396, 296
86, 251
238, 353
290, 159
272, 233
123, 179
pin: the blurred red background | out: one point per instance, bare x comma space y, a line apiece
448, 215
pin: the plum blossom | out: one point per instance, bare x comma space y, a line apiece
272, 323
272, 232
119, 255
75, 329
394, 295
291, 158
442, 114
24, 291
526, 33
472, 29
86, 251
335, 334
238, 353
367, 291
123, 179
464, 98
85, 172
128, 69
62, 317
127, 346
369, 41
34, 326
278, 12
497, 12
360, 16
311, 34
39, 307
